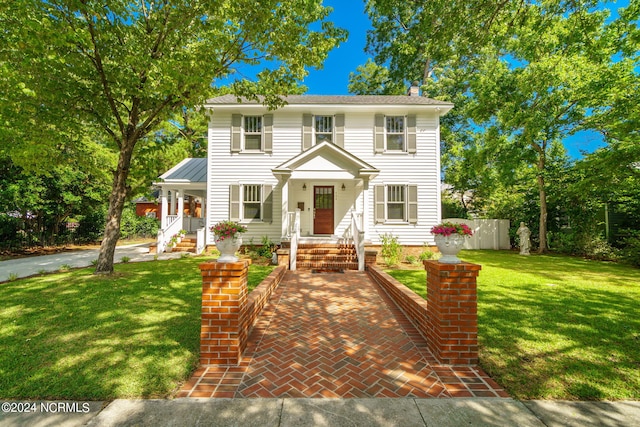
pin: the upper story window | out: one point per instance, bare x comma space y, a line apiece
253, 133
323, 126
319, 128
395, 133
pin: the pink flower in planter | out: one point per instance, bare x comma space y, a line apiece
228, 229
449, 228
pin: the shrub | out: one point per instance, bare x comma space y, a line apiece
411, 259
267, 248
9, 227
125, 259
425, 255
585, 243
132, 225
391, 249
91, 226
630, 253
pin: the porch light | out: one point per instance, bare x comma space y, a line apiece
343, 187
304, 187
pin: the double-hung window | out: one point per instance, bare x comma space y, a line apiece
323, 128
395, 133
396, 203
252, 202
253, 133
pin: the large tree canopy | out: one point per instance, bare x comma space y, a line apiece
523, 74
122, 67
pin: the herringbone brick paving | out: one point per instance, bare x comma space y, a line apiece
336, 335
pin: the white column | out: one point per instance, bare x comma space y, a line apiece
164, 206
284, 206
172, 202
181, 207
365, 208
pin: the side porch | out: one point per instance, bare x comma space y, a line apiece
183, 200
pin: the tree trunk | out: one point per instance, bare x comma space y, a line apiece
543, 204
117, 200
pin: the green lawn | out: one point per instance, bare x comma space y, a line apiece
555, 327
78, 336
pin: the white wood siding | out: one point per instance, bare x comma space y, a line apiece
422, 169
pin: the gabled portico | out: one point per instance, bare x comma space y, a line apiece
328, 185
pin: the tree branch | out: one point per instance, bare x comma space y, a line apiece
101, 72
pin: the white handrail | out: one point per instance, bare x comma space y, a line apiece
295, 235
174, 225
358, 238
291, 223
200, 240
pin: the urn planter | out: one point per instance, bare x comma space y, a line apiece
228, 248
450, 246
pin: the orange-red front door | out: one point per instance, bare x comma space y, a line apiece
323, 209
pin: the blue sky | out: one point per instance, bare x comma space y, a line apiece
334, 77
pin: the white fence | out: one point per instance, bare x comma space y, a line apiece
487, 233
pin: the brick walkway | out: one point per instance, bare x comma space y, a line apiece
336, 335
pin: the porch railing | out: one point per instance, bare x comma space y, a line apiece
174, 225
358, 237
200, 240
295, 235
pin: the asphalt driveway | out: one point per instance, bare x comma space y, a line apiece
29, 266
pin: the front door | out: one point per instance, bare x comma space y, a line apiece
323, 209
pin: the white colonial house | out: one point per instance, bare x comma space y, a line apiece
332, 167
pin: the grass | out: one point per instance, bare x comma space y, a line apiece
78, 336
555, 327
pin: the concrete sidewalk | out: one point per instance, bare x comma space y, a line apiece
29, 266
334, 412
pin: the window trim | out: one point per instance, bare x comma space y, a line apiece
333, 128
381, 203
243, 193
403, 133
380, 144
245, 133
236, 202
405, 203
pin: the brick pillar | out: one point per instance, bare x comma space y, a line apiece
223, 331
452, 311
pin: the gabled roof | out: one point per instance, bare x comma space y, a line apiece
337, 157
188, 170
336, 100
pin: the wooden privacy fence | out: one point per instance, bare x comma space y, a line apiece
487, 233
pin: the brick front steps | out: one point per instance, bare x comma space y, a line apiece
326, 256
186, 245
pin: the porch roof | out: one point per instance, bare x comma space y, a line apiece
325, 159
189, 170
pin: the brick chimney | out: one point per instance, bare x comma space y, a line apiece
414, 90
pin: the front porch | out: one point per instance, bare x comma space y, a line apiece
183, 204
325, 185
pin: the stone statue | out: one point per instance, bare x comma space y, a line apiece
525, 244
